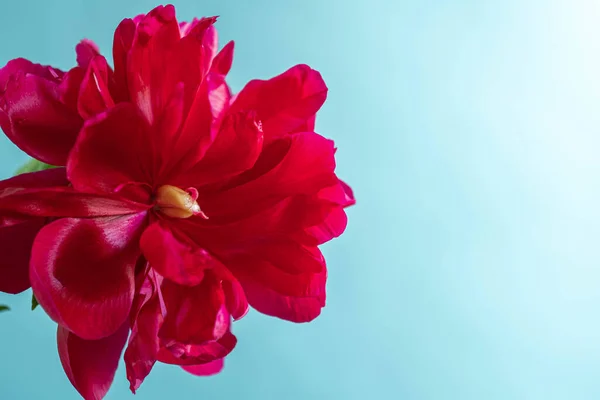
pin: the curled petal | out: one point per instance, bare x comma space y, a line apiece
86, 51
299, 164
175, 259
90, 365
32, 113
284, 102
94, 95
122, 43
195, 315
180, 354
223, 60
82, 272
112, 150
210, 368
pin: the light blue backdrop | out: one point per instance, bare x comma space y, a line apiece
469, 131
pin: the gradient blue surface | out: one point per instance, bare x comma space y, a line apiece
469, 131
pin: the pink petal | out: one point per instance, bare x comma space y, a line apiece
32, 114
90, 365
211, 368
82, 272
284, 102
112, 150
176, 259
15, 246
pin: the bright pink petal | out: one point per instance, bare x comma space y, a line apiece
211, 368
176, 259
32, 114
284, 102
15, 246
90, 365
82, 272
112, 150
94, 95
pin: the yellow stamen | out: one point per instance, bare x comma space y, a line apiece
177, 203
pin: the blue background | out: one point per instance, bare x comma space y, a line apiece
469, 131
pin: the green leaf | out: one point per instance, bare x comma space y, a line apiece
34, 302
33, 165
4, 308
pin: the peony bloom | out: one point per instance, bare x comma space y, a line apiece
174, 204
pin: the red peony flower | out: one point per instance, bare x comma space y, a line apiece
174, 205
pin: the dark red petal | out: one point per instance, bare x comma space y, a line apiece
196, 314
142, 350
302, 163
333, 226
235, 150
284, 102
33, 116
15, 247
122, 43
94, 95
222, 62
112, 150
70, 86
90, 365
173, 258
86, 51
82, 272
180, 354
211, 368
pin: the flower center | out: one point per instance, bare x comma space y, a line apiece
178, 203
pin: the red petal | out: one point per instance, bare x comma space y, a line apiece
112, 150
180, 354
211, 368
149, 82
94, 96
142, 350
235, 150
296, 298
223, 60
284, 102
195, 315
302, 163
173, 258
15, 246
32, 114
90, 365
122, 43
82, 272
86, 51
